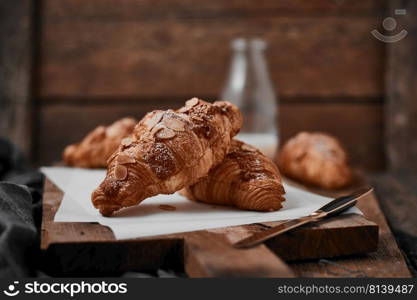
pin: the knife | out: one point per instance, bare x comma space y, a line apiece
332, 208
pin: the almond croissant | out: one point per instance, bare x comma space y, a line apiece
317, 159
246, 179
94, 150
167, 151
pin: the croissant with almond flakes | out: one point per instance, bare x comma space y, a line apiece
94, 150
167, 151
246, 179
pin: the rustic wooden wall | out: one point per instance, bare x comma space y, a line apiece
401, 91
15, 72
103, 59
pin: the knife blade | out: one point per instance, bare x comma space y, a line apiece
332, 208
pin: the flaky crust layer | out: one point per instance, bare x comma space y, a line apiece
167, 151
94, 150
317, 159
246, 179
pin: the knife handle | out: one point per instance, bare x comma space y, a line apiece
260, 237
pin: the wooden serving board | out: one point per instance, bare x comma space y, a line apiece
72, 249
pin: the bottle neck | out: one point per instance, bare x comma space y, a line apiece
259, 66
238, 72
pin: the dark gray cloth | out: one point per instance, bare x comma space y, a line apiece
20, 213
20, 218
17, 229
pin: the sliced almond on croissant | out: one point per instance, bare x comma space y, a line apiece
192, 102
127, 141
165, 133
152, 121
174, 124
125, 159
120, 172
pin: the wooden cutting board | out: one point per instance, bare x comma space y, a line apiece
91, 249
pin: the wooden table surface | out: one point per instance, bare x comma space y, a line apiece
387, 261
397, 194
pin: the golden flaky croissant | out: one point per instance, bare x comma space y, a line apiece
246, 179
317, 159
167, 151
94, 150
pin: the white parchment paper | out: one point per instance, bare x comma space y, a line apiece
147, 219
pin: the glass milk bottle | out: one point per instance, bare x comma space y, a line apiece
250, 88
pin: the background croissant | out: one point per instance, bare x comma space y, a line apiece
94, 150
167, 151
246, 179
317, 159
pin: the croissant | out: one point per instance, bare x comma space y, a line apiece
246, 179
317, 159
167, 151
94, 150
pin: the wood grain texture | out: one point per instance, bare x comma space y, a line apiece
387, 261
358, 126
397, 192
334, 235
127, 54
401, 106
84, 251
138, 9
15, 72
209, 254
179, 56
